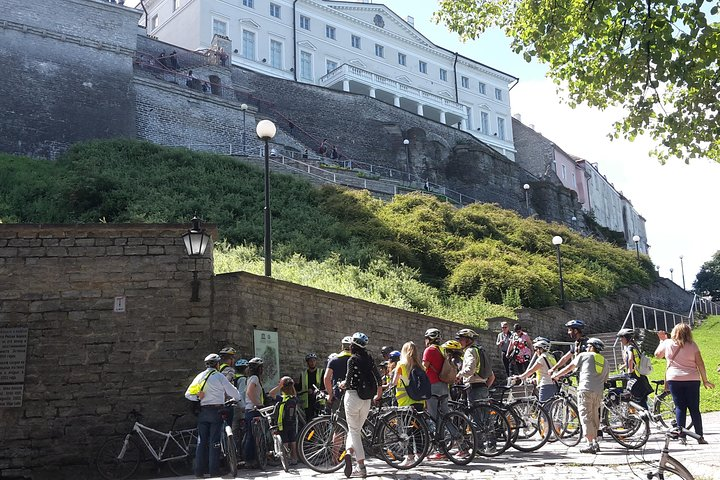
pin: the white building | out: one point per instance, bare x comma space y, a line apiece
352, 46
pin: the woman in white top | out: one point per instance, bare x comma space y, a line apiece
254, 398
543, 362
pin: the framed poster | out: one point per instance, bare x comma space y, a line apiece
266, 347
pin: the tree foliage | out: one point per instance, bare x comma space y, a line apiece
657, 59
707, 282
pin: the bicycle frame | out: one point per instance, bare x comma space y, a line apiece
171, 439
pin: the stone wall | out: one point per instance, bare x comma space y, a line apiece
67, 70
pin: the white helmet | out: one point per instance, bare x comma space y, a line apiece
212, 359
542, 343
432, 333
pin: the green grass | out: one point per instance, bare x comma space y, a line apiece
707, 336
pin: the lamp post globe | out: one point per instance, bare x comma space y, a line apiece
526, 188
266, 131
557, 241
406, 142
244, 108
636, 239
196, 241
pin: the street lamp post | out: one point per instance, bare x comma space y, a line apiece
196, 241
244, 108
636, 239
406, 142
671, 274
682, 271
557, 241
266, 131
526, 187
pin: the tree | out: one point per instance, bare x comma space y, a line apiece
707, 281
657, 59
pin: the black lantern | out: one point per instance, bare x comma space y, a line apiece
196, 241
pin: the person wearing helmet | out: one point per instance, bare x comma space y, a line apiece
503, 343
592, 374
336, 370
542, 363
575, 330
238, 422
311, 377
638, 384
227, 362
432, 361
362, 384
210, 388
385, 351
254, 399
286, 414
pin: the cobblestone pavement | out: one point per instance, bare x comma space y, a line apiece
552, 462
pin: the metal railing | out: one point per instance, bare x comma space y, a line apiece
703, 305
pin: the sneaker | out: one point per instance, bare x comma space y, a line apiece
407, 462
440, 456
462, 454
490, 450
597, 447
348, 470
359, 472
702, 441
589, 449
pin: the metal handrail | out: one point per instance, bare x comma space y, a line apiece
704, 305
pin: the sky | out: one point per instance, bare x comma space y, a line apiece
675, 198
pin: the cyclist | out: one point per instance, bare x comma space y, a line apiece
638, 384
286, 415
409, 359
362, 384
254, 398
453, 351
311, 377
575, 332
592, 373
336, 370
210, 388
385, 351
433, 360
238, 422
227, 363
543, 362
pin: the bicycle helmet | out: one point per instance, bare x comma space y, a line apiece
394, 355
628, 333
228, 351
287, 381
451, 345
360, 339
467, 333
241, 363
596, 343
542, 343
347, 340
577, 324
256, 361
212, 359
386, 350
432, 333
310, 356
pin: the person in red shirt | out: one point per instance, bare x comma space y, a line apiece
433, 360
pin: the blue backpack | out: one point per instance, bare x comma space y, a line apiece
418, 386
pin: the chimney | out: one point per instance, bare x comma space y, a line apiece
518, 117
411, 20
532, 125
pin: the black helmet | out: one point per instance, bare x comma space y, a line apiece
385, 350
310, 356
576, 324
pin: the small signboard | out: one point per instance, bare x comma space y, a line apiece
11, 395
119, 305
13, 353
266, 347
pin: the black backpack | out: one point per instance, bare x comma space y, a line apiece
484, 368
418, 386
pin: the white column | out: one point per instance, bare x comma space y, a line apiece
396, 101
463, 124
442, 117
420, 109
346, 85
372, 93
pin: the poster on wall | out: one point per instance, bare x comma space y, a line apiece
266, 347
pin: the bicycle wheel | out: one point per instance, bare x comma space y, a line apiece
118, 458
261, 447
184, 465
281, 452
565, 420
492, 429
321, 444
627, 427
456, 438
230, 452
664, 409
534, 429
403, 439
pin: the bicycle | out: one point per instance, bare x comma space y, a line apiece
490, 419
626, 421
228, 449
667, 466
564, 414
661, 405
265, 422
119, 457
532, 424
453, 436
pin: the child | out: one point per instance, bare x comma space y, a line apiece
286, 412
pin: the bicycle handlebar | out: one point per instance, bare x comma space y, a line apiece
675, 432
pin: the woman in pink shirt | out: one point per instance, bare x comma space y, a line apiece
685, 370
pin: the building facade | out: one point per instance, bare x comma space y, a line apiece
351, 46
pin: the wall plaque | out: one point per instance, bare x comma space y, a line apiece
11, 395
13, 352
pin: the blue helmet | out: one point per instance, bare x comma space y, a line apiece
394, 355
360, 339
577, 324
241, 363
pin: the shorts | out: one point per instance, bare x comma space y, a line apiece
288, 434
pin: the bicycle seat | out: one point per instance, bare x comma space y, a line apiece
177, 415
658, 382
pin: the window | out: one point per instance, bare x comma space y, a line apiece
355, 41
274, 10
330, 32
485, 123
176, 4
501, 128
564, 172
155, 22
306, 66
498, 94
248, 46
330, 65
422, 66
481, 88
276, 49
402, 59
304, 22
465, 82
443, 75
249, 3
379, 51
219, 27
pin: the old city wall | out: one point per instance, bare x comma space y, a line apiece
67, 74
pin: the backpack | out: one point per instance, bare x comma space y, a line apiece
418, 386
645, 366
448, 372
484, 368
194, 390
367, 385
